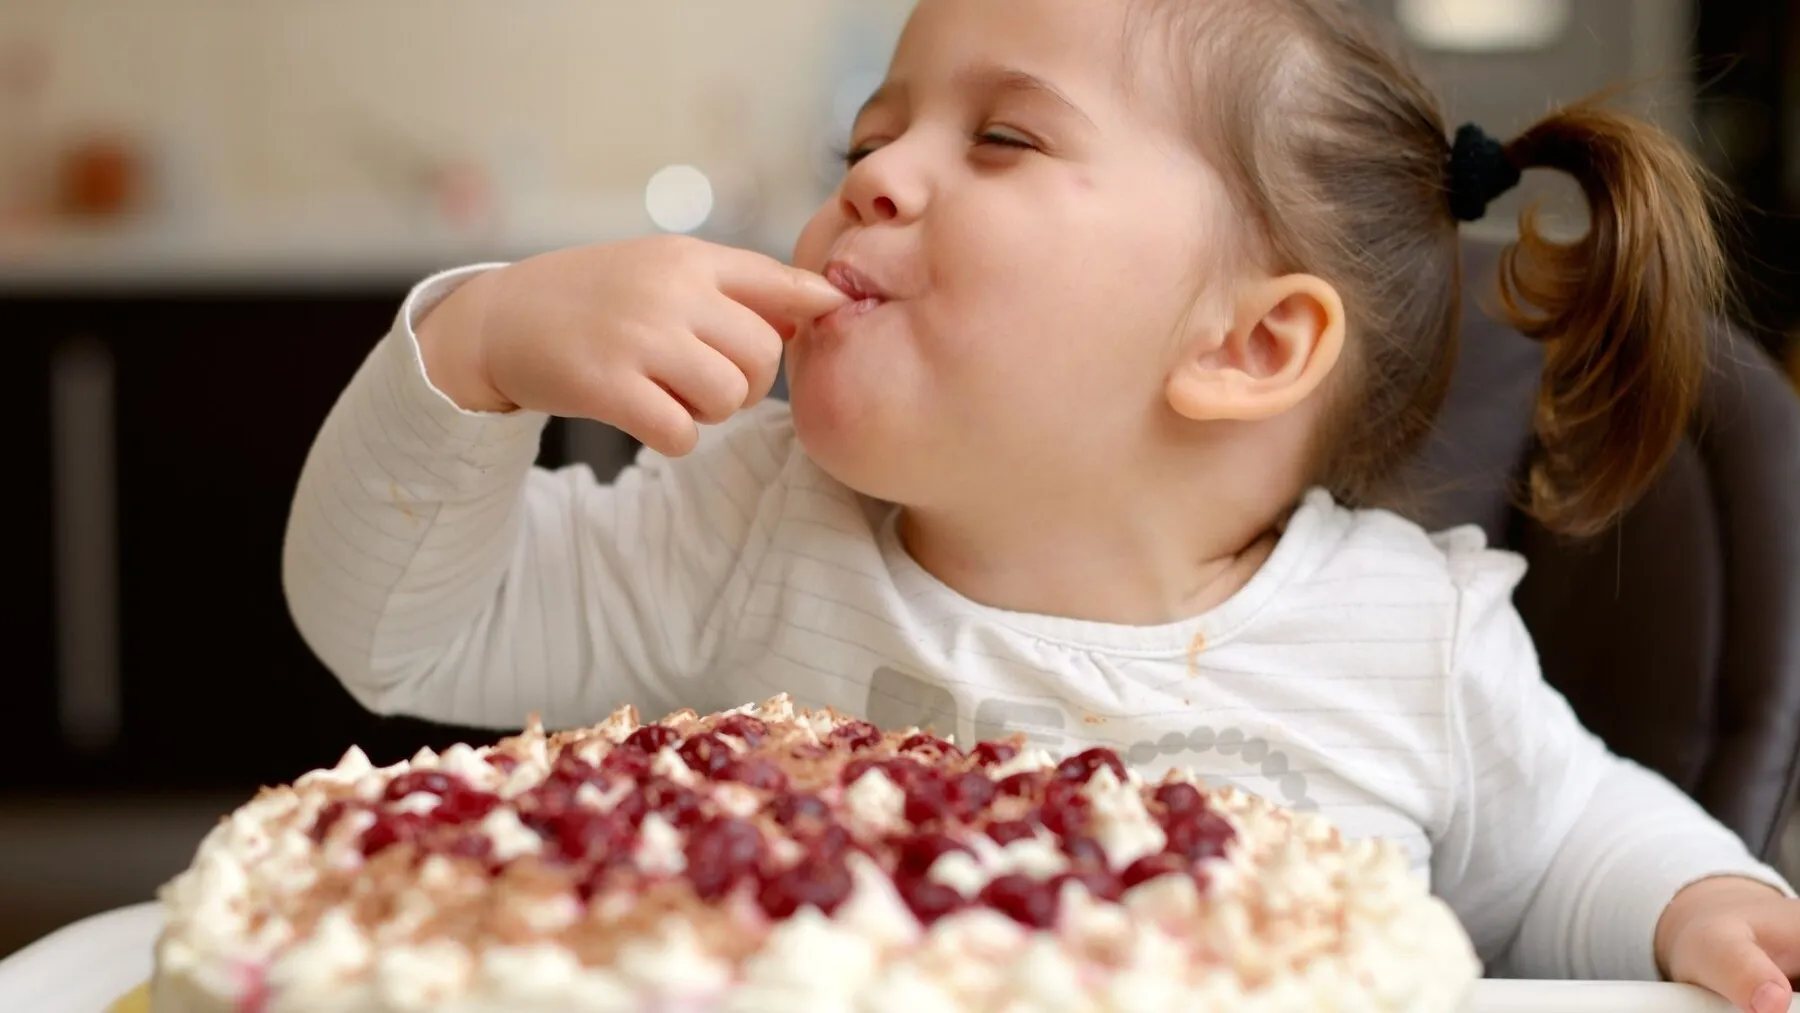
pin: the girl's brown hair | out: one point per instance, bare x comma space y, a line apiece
1338, 154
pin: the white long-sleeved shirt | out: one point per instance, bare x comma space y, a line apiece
1369, 671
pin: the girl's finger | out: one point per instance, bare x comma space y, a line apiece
750, 342
652, 415
709, 384
1725, 958
772, 289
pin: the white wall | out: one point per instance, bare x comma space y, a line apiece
277, 101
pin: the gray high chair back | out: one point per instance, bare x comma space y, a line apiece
1676, 638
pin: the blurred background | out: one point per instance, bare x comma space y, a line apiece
210, 209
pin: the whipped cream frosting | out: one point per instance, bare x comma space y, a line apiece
461, 896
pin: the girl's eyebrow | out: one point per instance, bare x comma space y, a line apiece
989, 79
996, 79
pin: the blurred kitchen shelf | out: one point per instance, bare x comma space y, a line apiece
168, 428
330, 249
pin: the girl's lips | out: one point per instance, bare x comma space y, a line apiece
853, 283
844, 316
864, 293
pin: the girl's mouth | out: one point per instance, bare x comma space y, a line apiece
853, 283
865, 295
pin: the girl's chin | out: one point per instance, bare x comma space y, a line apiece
823, 413
844, 437
834, 385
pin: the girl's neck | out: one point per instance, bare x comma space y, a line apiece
1120, 561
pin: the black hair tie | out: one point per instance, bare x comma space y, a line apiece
1479, 172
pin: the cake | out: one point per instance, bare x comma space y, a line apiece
777, 859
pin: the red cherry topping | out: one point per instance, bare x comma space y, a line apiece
1100, 883
392, 828
575, 771
820, 881
923, 743
721, 853
906, 771
993, 754
548, 800
464, 806
1150, 867
1025, 784
472, 846
791, 809
969, 793
628, 762
855, 769
1084, 851
808, 751
1082, 766
1025, 900
926, 801
757, 773
586, 834
652, 739
834, 841
920, 851
706, 754
632, 807
745, 727
856, 735
1008, 831
1064, 810
1178, 799
1199, 836
945, 800
928, 900
677, 804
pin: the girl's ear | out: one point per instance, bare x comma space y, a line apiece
1284, 340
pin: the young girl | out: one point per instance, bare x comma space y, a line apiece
1101, 358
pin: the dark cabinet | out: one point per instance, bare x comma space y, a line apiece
193, 413
28, 700
1747, 119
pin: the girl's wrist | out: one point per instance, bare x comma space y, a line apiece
450, 337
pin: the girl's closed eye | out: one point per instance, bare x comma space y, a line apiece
856, 153
1006, 137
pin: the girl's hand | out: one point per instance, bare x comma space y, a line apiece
1737, 937
653, 336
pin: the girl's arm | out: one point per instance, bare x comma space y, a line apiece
1560, 856
439, 574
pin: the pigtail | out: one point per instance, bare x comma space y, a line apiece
1623, 311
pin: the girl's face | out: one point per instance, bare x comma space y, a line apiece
1028, 232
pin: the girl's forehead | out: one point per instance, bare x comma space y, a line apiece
1092, 51
1072, 36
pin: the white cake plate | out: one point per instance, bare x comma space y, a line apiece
89, 965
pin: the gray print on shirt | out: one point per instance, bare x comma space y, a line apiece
899, 700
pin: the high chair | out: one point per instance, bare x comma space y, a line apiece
1676, 638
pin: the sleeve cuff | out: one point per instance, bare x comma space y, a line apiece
1647, 877
479, 438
